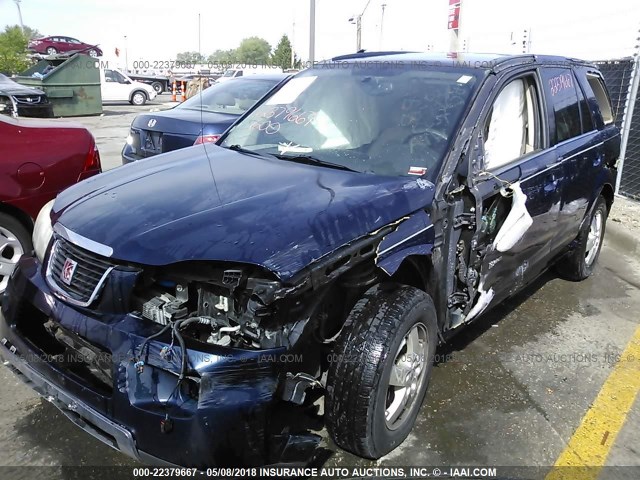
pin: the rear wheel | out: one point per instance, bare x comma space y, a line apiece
93, 53
380, 370
580, 262
138, 98
51, 51
14, 241
157, 86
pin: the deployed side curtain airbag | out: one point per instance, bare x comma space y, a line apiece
505, 139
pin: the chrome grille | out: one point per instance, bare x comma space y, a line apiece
88, 275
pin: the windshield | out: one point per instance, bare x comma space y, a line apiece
387, 121
229, 73
230, 97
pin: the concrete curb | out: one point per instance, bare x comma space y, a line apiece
622, 239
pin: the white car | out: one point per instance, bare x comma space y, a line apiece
118, 87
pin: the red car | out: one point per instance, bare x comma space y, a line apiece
57, 44
38, 159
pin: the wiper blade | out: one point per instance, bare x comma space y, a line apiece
238, 148
309, 160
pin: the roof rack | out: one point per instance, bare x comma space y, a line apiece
363, 54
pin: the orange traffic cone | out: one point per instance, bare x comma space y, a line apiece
183, 96
173, 93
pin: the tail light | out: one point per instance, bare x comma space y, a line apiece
92, 165
206, 139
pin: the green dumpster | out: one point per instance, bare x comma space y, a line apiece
72, 83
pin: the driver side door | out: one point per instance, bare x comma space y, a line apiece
517, 186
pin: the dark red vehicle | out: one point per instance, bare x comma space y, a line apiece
58, 44
38, 159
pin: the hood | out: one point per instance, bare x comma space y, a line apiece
9, 87
144, 86
185, 121
268, 212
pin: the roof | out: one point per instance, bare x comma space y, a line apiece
267, 76
485, 61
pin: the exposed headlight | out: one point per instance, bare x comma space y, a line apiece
43, 231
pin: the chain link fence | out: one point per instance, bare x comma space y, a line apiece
618, 77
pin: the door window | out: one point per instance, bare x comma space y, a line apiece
560, 88
512, 127
585, 114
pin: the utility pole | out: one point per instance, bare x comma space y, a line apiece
358, 21
312, 32
199, 52
19, 14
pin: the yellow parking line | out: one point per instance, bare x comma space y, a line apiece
591, 443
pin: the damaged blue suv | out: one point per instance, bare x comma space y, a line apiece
194, 309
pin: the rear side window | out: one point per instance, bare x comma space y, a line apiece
560, 89
602, 98
585, 114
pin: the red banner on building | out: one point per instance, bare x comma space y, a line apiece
454, 14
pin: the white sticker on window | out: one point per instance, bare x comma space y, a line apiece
464, 79
292, 90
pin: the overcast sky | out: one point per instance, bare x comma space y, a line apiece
159, 29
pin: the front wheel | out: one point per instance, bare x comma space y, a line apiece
14, 241
580, 262
138, 98
380, 370
51, 51
157, 86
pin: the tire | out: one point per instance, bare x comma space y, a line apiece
14, 241
93, 53
580, 262
138, 98
51, 50
359, 395
157, 86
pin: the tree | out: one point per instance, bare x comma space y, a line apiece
31, 33
282, 54
190, 57
224, 57
13, 50
254, 51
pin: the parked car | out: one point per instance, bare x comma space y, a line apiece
238, 72
38, 159
116, 86
350, 222
21, 101
200, 119
59, 44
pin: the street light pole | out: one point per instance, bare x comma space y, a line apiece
384, 5
19, 14
126, 55
358, 22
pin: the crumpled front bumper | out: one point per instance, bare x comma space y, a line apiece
222, 417
85, 417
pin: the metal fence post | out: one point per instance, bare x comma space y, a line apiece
628, 115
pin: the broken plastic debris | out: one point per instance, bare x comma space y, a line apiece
484, 299
517, 222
